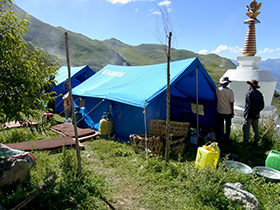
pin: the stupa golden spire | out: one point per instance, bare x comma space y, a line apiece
249, 48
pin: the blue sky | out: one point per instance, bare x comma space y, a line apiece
201, 26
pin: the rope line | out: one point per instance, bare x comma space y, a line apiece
68, 107
92, 109
59, 103
88, 112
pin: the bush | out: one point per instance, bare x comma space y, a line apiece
67, 191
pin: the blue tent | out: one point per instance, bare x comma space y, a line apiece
136, 94
78, 75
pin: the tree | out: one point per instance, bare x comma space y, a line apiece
23, 69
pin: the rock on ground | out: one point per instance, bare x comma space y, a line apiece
18, 172
236, 193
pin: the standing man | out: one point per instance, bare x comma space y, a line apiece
225, 100
254, 103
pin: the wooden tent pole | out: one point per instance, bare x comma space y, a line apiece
167, 148
72, 106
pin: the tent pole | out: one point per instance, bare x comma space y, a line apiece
72, 106
167, 148
197, 117
145, 124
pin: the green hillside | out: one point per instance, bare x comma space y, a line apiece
97, 54
146, 54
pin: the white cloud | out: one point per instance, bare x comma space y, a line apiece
204, 51
278, 49
164, 3
225, 48
155, 12
136, 10
119, 1
124, 1
266, 50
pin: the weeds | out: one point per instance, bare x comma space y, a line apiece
25, 134
179, 185
68, 190
135, 181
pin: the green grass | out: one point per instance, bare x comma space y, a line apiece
155, 184
276, 102
130, 180
31, 133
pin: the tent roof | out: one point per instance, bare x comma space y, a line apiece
63, 73
138, 85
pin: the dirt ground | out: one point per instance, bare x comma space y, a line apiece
124, 193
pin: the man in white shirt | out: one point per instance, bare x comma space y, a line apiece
225, 112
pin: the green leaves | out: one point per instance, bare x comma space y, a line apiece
23, 69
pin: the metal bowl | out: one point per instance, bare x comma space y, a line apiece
240, 167
269, 173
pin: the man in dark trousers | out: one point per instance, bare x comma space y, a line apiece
225, 111
254, 103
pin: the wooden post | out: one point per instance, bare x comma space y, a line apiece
72, 106
167, 148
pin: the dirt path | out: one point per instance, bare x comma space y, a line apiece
122, 192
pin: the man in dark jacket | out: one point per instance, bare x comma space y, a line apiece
254, 103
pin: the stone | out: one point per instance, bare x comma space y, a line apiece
236, 193
18, 172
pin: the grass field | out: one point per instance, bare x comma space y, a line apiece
114, 174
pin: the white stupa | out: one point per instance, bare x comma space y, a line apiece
248, 70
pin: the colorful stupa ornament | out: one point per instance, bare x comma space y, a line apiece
249, 48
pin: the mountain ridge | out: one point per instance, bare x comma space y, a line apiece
272, 65
86, 51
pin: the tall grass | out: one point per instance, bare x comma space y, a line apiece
178, 184
255, 154
172, 185
67, 191
25, 134
132, 180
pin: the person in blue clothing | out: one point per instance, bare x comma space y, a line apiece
254, 103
